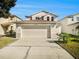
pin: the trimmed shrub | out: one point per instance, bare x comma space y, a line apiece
68, 37
11, 33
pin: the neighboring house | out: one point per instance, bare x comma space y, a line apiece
7, 23
39, 25
70, 24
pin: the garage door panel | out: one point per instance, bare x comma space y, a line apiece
34, 33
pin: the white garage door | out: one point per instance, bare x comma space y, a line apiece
34, 33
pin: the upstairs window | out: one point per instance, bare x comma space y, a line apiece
48, 18
52, 18
42, 17
37, 18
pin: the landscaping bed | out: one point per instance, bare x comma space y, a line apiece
4, 41
72, 48
70, 44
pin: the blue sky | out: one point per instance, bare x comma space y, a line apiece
59, 7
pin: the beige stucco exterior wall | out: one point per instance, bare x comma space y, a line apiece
4, 20
55, 29
19, 32
64, 25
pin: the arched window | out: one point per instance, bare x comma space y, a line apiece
48, 18
52, 18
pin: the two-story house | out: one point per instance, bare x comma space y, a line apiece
70, 24
39, 25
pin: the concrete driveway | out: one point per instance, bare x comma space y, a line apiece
34, 49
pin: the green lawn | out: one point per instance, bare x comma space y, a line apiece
4, 41
72, 47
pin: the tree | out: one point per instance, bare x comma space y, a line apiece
5, 6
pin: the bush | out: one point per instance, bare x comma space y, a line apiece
68, 37
63, 36
11, 33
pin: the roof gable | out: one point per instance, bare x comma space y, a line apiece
44, 12
12, 16
71, 16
